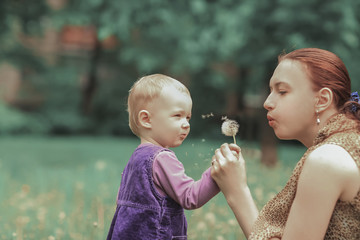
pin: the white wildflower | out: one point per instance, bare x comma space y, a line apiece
62, 216
100, 165
201, 226
229, 128
211, 218
232, 222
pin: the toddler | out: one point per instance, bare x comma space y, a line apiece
154, 189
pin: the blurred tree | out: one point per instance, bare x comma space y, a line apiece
295, 24
19, 17
225, 51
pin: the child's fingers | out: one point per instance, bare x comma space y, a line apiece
215, 168
213, 160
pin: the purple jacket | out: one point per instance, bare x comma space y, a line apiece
142, 213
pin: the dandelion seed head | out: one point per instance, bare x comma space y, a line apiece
229, 127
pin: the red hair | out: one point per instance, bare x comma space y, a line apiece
325, 69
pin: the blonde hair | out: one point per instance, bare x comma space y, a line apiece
144, 91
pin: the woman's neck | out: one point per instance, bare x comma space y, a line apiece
308, 141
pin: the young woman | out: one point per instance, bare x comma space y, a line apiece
310, 101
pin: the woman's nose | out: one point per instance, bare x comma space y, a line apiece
268, 104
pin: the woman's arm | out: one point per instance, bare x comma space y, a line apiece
228, 170
329, 174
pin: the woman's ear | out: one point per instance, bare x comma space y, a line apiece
325, 99
144, 119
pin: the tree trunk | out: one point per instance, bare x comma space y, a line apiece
268, 142
268, 139
90, 84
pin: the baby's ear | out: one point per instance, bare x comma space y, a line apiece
144, 119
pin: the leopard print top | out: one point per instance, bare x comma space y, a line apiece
345, 220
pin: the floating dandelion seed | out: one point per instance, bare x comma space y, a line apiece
207, 115
229, 127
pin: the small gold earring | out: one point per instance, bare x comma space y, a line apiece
317, 117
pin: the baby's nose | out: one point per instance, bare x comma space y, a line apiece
185, 124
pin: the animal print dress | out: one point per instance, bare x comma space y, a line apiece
345, 220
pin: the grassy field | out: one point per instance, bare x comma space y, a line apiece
65, 188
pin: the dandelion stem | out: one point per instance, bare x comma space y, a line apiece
234, 139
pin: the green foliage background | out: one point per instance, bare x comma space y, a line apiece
216, 48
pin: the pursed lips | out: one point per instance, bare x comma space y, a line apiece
183, 135
271, 120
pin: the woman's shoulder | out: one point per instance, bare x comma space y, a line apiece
335, 164
333, 157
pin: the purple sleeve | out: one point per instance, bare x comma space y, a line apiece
170, 179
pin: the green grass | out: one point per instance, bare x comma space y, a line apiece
65, 188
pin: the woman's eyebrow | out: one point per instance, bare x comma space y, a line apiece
278, 84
